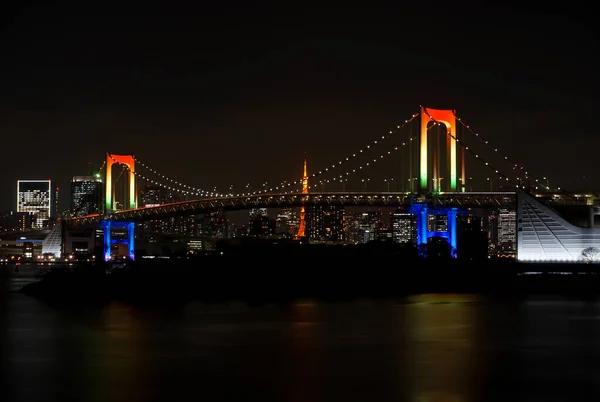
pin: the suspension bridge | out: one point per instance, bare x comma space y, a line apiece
437, 168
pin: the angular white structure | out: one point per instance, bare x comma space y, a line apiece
52, 244
544, 236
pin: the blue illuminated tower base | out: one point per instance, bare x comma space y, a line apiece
107, 226
422, 210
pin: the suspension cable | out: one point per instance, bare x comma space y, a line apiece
503, 156
283, 185
466, 148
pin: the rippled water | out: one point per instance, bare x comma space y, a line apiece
425, 348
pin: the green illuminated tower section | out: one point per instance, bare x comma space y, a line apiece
447, 117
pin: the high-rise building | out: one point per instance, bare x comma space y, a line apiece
287, 221
38, 198
437, 223
368, 224
325, 223
472, 241
151, 196
86, 195
257, 212
404, 226
215, 225
507, 229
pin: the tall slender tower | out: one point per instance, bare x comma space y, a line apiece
304, 191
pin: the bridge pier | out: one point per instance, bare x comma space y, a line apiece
108, 226
422, 210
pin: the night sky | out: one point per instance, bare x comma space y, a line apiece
213, 97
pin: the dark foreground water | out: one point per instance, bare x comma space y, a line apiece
450, 348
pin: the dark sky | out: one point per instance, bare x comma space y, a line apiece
218, 96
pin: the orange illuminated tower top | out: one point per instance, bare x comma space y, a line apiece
304, 191
305, 178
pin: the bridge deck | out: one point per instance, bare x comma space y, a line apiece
349, 199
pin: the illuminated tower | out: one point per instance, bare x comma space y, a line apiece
304, 191
108, 224
129, 162
448, 118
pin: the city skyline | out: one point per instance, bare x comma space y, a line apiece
231, 94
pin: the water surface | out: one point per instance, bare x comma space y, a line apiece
431, 347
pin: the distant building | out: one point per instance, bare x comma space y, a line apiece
11, 222
86, 195
38, 198
507, 229
257, 212
404, 226
437, 223
368, 225
215, 225
287, 221
325, 223
262, 226
472, 241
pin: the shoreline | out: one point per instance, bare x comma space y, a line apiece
238, 279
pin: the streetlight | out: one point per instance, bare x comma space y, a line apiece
411, 184
365, 183
388, 181
488, 179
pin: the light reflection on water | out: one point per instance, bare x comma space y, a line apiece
424, 348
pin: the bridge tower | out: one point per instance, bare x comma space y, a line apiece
110, 206
301, 226
129, 161
448, 118
434, 185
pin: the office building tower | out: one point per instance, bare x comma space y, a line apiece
404, 226
39, 199
507, 229
325, 223
86, 195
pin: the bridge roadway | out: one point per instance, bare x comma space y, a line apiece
348, 199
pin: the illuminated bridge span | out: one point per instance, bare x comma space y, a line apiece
461, 200
429, 176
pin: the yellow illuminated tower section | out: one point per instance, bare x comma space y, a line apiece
302, 210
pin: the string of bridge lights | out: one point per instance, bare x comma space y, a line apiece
360, 151
186, 189
285, 184
101, 167
515, 165
501, 176
342, 177
189, 190
165, 186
